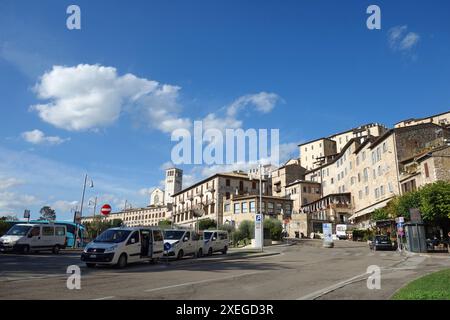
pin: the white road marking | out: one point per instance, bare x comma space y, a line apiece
104, 298
333, 287
202, 281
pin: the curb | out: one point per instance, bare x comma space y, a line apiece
347, 282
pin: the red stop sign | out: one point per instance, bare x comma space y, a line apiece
106, 209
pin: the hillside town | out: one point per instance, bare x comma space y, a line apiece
339, 179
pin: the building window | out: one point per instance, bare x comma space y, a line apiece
363, 156
227, 195
237, 208
252, 206
382, 190
253, 185
380, 171
366, 174
367, 190
384, 147
390, 187
427, 172
377, 193
270, 207
227, 182
332, 180
360, 194
279, 207
244, 207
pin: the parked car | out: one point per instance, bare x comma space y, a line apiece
120, 246
179, 243
30, 237
382, 242
215, 241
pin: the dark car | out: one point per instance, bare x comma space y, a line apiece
381, 243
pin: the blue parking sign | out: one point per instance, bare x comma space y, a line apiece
258, 218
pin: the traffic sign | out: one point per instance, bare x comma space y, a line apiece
258, 218
105, 210
401, 219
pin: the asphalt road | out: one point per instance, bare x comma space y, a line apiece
302, 271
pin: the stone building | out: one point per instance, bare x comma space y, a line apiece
321, 151
286, 174
301, 193
244, 207
333, 208
208, 196
442, 119
369, 167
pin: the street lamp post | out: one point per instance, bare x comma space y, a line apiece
260, 207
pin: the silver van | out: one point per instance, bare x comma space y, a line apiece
32, 237
120, 246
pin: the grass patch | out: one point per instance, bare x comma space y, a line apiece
435, 286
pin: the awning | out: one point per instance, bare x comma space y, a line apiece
370, 209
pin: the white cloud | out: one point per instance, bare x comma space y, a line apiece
63, 206
409, 41
146, 191
263, 102
6, 183
92, 96
211, 121
402, 40
38, 137
288, 151
15, 201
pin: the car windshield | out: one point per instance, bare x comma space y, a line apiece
382, 238
173, 234
113, 236
207, 235
18, 230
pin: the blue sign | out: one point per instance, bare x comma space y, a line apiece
258, 218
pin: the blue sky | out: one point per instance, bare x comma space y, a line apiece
157, 65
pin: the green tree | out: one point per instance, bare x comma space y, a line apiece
165, 224
435, 202
380, 214
47, 213
206, 224
407, 201
247, 229
275, 227
9, 218
4, 227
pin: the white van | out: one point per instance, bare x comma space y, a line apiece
120, 246
179, 243
27, 237
214, 241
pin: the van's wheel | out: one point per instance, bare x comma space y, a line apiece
180, 254
210, 252
225, 249
200, 253
90, 265
26, 249
56, 249
122, 263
